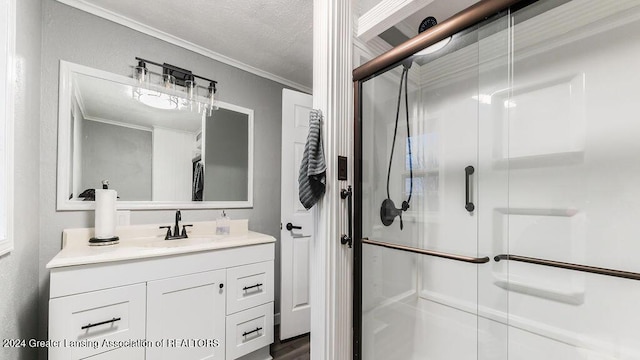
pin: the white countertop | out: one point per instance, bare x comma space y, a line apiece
147, 241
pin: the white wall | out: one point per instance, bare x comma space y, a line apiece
172, 173
226, 156
19, 269
119, 154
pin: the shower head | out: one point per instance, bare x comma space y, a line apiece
426, 24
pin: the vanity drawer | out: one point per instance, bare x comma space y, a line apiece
249, 286
87, 320
249, 330
124, 353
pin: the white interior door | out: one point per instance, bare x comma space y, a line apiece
295, 244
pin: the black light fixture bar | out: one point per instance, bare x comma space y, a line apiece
180, 74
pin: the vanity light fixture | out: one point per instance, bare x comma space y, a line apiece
211, 95
172, 76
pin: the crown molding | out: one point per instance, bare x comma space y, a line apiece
385, 15
125, 125
406, 29
376, 47
372, 48
159, 34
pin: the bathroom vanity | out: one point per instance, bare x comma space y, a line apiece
205, 297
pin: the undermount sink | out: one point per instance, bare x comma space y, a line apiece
148, 241
180, 242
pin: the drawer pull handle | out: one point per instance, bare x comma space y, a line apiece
251, 332
100, 323
251, 287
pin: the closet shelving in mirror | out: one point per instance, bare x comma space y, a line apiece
162, 93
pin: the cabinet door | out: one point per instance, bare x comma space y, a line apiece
186, 317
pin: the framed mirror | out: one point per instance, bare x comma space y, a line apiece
156, 148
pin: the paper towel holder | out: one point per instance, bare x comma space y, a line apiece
94, 241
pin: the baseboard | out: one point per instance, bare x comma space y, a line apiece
260, 354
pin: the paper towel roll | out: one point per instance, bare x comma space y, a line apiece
105, 214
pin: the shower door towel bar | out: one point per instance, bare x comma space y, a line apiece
570, 266
467, 259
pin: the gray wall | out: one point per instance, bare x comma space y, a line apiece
226, 156
19, 269
76, 36
117, 153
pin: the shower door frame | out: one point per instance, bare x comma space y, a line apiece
459, 22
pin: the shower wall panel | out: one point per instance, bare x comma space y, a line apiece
572, 137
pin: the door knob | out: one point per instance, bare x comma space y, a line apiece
290, 227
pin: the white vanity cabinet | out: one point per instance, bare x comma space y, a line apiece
205, 304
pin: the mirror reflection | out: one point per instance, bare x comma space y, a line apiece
152, 153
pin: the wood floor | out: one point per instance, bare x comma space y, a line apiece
291, 349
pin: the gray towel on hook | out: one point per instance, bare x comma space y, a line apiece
311, 179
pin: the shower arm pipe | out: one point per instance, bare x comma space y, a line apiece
570, 266
467, 259
458, 22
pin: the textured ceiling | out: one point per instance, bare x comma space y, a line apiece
274, 36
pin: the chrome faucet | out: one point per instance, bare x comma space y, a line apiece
176, 229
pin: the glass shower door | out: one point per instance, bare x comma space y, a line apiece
573, 145
422, 252
532, 118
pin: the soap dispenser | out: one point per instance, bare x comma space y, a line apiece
223, 224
